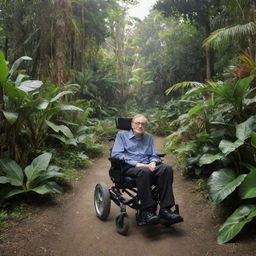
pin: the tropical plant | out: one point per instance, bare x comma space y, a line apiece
26, 110
36, 177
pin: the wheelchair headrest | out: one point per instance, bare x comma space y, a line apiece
123, 123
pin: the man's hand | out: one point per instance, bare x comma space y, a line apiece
151, 166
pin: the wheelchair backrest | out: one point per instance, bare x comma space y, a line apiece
123, 123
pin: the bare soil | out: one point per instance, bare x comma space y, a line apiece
70, 227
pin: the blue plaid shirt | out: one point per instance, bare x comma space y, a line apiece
134, 150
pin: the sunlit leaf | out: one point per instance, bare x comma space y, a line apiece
30, 85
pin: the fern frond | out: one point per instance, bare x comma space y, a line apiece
225, 34
183, 85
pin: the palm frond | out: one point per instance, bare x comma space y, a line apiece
217, 37
184, 85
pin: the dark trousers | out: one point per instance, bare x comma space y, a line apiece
162, 176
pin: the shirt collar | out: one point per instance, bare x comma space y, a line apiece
131, 134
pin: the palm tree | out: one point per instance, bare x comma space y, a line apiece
243, 12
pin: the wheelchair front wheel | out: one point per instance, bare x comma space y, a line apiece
122, 223
102, 201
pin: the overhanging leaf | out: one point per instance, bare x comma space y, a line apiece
235, 222
222, 183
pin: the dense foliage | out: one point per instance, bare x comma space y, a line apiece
69, 76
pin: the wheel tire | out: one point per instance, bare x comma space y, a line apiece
122, 223
102, 202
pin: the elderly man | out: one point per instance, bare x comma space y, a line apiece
136, 149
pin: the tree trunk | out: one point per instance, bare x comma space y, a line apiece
62, 35
208, 54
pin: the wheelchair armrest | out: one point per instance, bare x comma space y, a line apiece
115, 160
161, 155
111, 138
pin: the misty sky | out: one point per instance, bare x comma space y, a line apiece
142, 9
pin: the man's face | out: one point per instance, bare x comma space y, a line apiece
139, 125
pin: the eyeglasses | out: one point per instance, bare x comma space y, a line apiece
140, 123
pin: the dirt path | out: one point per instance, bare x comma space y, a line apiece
70, 228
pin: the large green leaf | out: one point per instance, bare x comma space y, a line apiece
12, 171
222, 183
11, 117
46, 176
244, 130
248, 187
235, 222
4, 71
50, 187
30, 85
40, 163
210, 158
227, 146
60, 128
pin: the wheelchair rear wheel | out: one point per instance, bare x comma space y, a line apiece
102, 201
122, 223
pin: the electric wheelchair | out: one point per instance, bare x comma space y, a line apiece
123, 192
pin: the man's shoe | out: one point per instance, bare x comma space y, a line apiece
150, 217
170, 216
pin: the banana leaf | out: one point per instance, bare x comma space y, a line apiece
40, 163
235, 222
13, 172
222, 183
